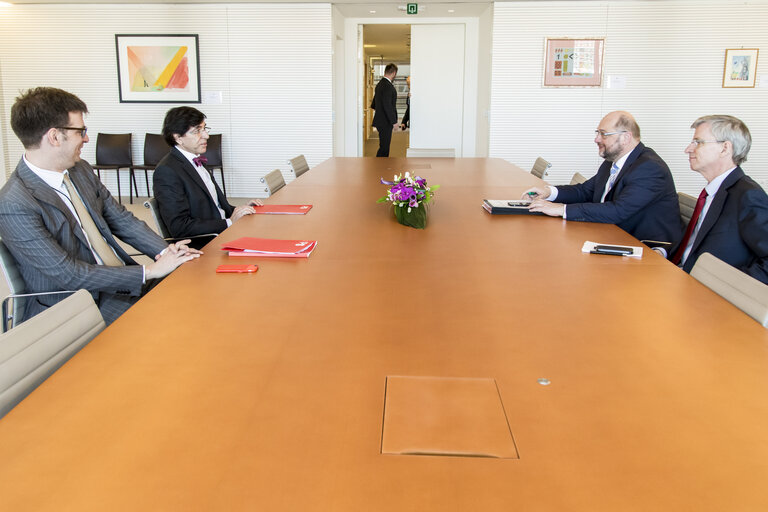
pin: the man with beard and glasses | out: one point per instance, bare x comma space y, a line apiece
633, 188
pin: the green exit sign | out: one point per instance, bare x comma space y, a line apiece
412, 9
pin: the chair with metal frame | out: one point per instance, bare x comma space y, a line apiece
740, 289
298, 165
162, 229
215, 160
155, 148
578, 178
540, 168
33, 351
113, 152
273, 181
12, 306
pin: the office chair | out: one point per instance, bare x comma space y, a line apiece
215, 161
162, 229
113, 152
273, 182
687, 205
540, 168
34, 350
430, 153
578, 178
298, 165
155, 148
742, 290
12, 306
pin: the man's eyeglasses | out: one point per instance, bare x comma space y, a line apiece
82, 130
698, 142
602, 134
198, 131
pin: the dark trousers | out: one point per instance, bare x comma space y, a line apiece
385, 138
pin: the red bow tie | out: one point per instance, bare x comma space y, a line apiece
199, 160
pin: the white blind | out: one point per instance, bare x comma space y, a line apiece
670, 53
271, 62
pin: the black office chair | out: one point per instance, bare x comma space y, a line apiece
155, 148
214, 158
113, 152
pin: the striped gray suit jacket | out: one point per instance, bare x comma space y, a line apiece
52, 251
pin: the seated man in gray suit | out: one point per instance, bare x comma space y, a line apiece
59, 221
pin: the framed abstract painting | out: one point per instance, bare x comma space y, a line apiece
740, 67
573, 62
158, 68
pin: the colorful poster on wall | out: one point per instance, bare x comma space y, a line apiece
573, 62
740, 67
158, 68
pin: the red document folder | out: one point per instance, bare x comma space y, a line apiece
283, 209
269, 247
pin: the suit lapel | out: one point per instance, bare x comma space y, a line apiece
716, 208
190, 170
633, 155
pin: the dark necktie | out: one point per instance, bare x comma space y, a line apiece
691, 226
200, 161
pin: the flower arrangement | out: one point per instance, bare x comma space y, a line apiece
409, 196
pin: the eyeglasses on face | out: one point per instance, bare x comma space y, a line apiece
603, 134
198, 130
698, 142
83, 130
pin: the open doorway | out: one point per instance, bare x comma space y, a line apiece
383, 44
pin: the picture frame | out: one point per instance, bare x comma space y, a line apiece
573, 62
158, 68
740, 68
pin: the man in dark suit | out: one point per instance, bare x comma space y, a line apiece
633, 188
190, 201
731, 217
59, 221
385, 104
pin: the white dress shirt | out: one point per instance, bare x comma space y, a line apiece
206, 177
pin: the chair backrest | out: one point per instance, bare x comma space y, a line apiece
299, 165
687, 205
742, 290
213, 153
273, 181
540, 167
16, 286
35, 349
162, 229
578, 178
155, 148
430, 153
113, 149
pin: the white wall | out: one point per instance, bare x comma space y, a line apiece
671, 54
272, 63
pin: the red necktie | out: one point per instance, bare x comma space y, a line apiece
691, 226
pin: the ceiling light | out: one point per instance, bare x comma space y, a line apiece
369, 46
451, 10
371, 12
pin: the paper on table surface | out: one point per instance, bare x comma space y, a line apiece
637, 252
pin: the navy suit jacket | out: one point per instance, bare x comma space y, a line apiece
736, 227
385, 104
643, 200
185, 204
52, 252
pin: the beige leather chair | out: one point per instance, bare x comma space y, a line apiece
430, 153
743, 291
687, 205
162, 229
540, 167
31, 352
578, 178
273, 181
298, 165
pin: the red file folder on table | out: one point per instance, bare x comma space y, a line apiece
283, 209
270, 248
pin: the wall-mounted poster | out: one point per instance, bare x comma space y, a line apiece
158, 68
740, 67
573, 62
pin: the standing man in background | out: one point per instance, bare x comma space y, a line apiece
385, 104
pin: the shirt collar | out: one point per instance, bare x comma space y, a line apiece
189, 156
53, 179
714, 185
621, 161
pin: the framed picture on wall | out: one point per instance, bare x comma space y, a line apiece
740, 67
158, 68
573, 62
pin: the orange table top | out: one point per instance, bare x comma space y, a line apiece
266, 391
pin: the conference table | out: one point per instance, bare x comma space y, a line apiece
322, 383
